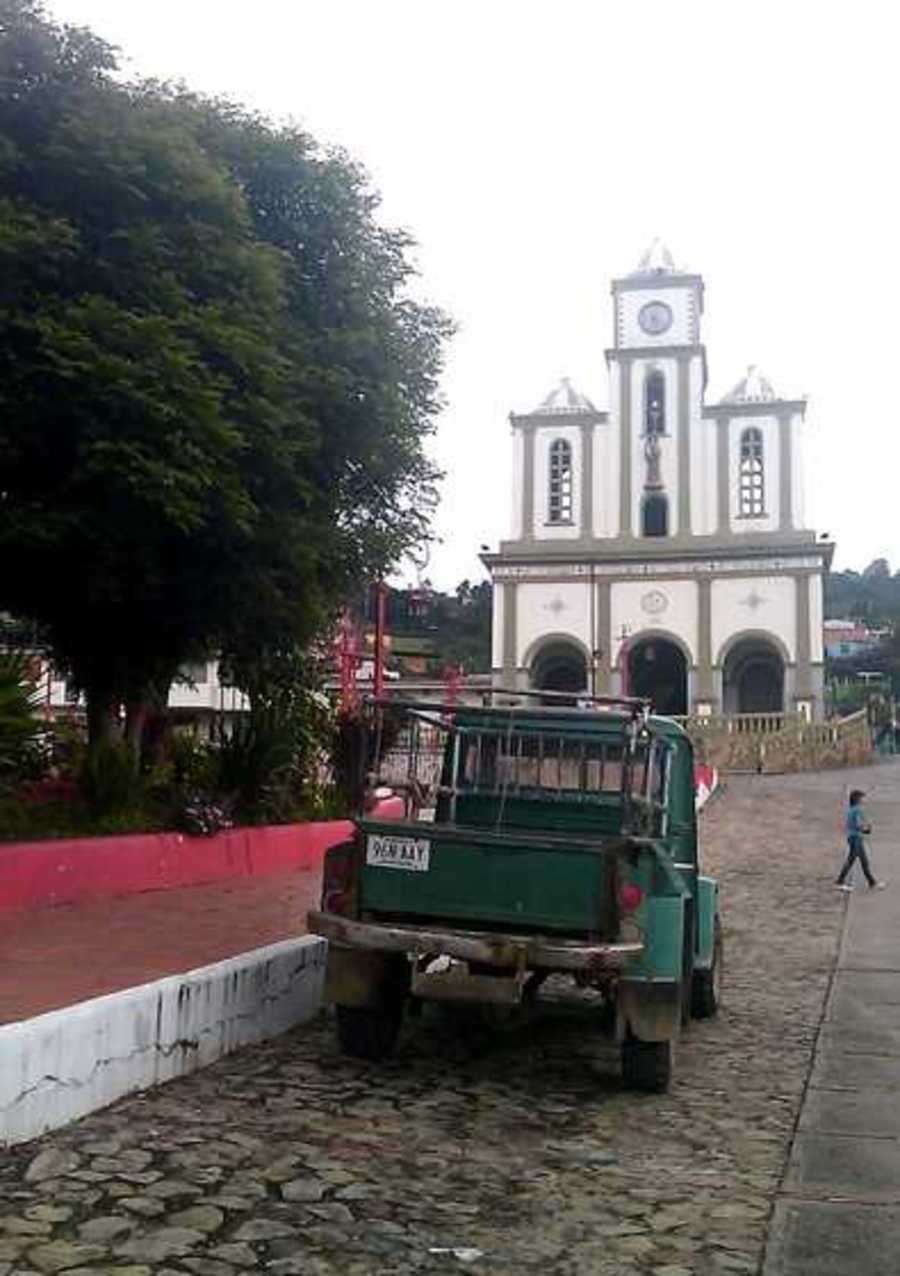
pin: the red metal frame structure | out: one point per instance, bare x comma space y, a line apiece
349, 656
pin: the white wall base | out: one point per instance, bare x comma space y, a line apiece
62, 1065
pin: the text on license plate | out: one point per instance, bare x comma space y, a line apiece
410, 853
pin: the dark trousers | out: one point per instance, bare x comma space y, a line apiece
857, 851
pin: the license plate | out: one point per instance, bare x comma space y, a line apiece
410, 853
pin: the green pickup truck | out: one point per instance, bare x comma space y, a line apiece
538, 840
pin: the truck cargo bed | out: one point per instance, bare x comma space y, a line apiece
562, 882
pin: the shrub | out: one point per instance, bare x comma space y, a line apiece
20, 724
109, 782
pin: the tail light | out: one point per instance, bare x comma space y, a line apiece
339, 880
630, 897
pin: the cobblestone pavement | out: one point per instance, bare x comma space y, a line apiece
516, 1151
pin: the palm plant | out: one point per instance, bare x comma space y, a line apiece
20, 723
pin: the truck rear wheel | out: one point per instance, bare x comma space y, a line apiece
706, 984
687, 966
646, 1065
369, 1032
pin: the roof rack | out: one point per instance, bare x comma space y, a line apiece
633, 705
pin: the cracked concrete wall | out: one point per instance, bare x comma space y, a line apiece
60, 1066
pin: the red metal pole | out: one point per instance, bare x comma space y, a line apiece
380, 609
348, 656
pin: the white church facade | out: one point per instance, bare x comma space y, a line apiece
661, 548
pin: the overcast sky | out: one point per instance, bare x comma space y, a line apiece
534, 150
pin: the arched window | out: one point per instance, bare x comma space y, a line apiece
655, 404
752, 494
655, 515
560, 502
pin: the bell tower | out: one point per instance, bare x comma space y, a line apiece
657, 370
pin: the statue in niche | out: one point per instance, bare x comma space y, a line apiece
652, 455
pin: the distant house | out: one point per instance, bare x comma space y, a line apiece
197, 698
845, 639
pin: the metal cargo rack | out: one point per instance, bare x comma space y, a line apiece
534, 752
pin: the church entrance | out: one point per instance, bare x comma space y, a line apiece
560, 666
753, 678
657, 671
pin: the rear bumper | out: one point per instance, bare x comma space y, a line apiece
528, 952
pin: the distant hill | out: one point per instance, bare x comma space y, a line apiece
872, 595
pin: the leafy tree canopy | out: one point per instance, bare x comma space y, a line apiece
215, 390
872, 595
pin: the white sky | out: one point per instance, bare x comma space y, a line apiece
534, 150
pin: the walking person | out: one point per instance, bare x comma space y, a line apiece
856, 826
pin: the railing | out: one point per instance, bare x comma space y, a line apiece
741, 723
852, 726
767, 741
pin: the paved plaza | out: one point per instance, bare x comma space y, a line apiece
516, 1150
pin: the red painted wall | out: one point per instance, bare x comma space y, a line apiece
35, 874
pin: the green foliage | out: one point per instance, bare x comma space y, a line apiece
463, 625
258, 767
20, 725
191, 762
271, 763
108, 781
872, 596
215, 390
456, 627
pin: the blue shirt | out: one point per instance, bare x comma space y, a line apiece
856, 821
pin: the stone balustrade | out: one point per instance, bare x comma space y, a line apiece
777, 742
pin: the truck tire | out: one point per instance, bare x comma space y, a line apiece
687, 966
369, 1032
706, 985
646, 1065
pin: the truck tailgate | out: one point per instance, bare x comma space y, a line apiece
563, 883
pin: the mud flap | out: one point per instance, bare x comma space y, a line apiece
651, 1010
359, 977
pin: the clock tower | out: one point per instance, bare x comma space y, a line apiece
657, 306
658, 374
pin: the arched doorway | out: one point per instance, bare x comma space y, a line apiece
657, 671
560, 666
753, 677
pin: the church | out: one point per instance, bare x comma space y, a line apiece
660, 548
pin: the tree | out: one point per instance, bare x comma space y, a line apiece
464, 627
456, 627
214, 392
878, 569
366, 358
872, 596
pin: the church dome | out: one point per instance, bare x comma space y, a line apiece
657, 260
564, 399
753, 388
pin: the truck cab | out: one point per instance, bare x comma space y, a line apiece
537, 840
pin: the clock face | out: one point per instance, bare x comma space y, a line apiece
655, 317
